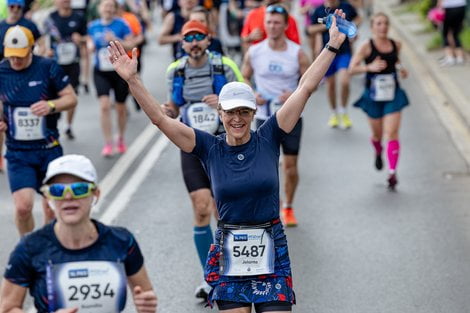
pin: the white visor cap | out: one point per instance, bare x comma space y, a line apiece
72, 164
237, 95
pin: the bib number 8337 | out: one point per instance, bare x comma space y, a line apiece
253, 251
94, 291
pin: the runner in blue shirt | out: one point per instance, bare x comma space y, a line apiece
15, 17
76, 263
32, 91
101, 31
66, 31
243, 169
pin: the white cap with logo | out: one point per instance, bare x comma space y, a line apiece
72, 164
237, 95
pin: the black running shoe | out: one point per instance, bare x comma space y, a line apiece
69, 134
392, 181
379, 164
86, 88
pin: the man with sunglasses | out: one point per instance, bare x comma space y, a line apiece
253, 28
194, 82
15, 17
277, 64
32, 89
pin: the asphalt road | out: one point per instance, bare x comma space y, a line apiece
358, 247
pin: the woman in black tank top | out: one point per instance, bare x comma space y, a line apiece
383, 99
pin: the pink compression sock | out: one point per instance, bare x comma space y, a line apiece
393, 152
377, 146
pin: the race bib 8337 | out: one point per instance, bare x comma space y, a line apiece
26, 125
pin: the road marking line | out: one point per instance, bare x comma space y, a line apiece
113, 177
137, 178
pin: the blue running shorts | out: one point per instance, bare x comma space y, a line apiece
27, 168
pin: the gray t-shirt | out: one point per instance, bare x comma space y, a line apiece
198, 81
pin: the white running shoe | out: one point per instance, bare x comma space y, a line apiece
203, 291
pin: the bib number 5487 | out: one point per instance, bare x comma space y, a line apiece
253, 251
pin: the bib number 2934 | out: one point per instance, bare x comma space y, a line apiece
248, 252
90, 286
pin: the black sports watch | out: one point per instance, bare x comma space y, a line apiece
332, 49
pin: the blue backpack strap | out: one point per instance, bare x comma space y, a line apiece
178, 82
218, 73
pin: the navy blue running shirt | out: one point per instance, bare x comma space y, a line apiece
42, 80
322, 12
245, 178
60, 30
27, 264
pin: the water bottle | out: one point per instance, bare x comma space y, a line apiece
344, 26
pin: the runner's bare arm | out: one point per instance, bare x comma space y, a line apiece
145, 299
356, 66
290, 112
165, 36
247, 70
67, 100
181, 135
11, 297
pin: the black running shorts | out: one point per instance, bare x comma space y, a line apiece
105, 81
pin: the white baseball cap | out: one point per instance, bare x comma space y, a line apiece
18, 42
235, 95
73, 164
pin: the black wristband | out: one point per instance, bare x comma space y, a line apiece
332, 49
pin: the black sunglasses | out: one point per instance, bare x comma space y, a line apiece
15, 6
198, 37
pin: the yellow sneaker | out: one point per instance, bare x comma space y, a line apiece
333, 121
346, 121
288, 217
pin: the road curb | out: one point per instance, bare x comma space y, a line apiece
454, 96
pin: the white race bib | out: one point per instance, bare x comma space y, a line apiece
103, 59
90, 286
78, 4
248, 252
274, 105
66, 53
203, 117
27, 126
383, 87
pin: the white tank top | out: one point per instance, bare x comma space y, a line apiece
274, 72
453, 3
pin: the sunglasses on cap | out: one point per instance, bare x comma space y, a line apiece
77, 190
276, 9
198, 37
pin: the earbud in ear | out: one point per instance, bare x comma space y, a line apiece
95, 200
51, 205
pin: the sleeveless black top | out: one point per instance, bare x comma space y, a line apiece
390, 57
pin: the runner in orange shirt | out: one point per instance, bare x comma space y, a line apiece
253, 28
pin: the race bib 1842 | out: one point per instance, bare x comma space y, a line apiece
203, 117
248, 252
90, 286
27, 126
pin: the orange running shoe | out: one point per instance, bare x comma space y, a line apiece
288, 217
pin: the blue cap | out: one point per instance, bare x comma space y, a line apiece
16, 2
